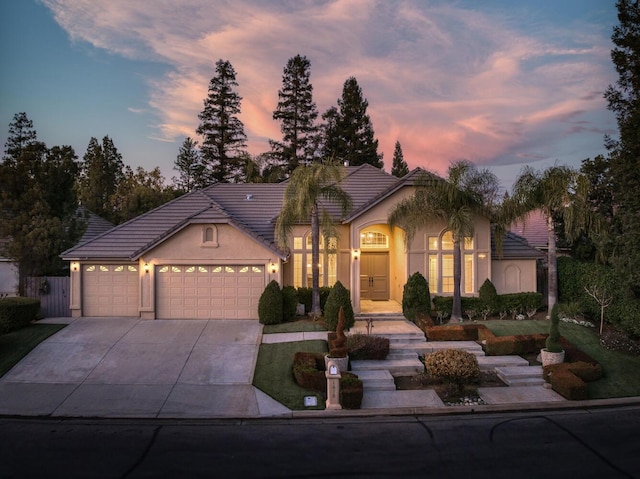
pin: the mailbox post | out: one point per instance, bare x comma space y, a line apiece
333, 386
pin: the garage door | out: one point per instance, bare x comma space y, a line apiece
209, 292
110, 290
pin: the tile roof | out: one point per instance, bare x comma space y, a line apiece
96, 225
514, 247
533, 228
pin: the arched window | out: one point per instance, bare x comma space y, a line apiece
440, 263
301, 256
210, 236
373, 240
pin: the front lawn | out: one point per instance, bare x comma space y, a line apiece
273, 374
299, 326
16, 345
621, 377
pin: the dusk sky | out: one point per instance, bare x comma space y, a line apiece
502, 83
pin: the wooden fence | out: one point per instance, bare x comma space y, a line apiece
53, 293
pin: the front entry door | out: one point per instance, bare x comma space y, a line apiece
374, 276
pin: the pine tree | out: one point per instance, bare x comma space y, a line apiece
348, 131
223, 137
297, 113
38, 201
400, 167
189, 166
102, 170
624, 100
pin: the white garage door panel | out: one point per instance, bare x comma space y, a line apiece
208, 292
110, 290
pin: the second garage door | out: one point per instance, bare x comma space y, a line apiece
208, 292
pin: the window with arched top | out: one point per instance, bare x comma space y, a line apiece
441, 267
301, 256
210, 236
373, 240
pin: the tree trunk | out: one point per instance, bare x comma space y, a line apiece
456, 310
315, 259
552, 262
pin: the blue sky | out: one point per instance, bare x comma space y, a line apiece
502, 83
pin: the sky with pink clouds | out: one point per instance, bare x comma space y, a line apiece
502, 83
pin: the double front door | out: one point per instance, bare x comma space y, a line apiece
374, 276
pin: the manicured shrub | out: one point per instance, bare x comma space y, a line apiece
364, 346
488, 296
339, 296
289, 303
453, 366
304, 297
453, 332
569, 385
416, 298
308, 371
270, 304
351, 391
17, 313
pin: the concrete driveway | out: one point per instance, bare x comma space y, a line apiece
127, 367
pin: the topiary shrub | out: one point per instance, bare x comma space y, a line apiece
351, 391
289, 303
453, 366
339, 296
416, 298
270, 304
17, 313
488, 296
363, 346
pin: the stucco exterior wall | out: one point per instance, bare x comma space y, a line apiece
514, 276
8, 278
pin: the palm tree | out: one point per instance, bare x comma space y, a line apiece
560, 193
307, 187
457, 200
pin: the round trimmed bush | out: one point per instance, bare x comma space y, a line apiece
416, 298
270, 304
453, 366
339, 296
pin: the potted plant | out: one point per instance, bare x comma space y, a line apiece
338, 345
553, 353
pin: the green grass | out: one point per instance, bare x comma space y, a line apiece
274, 377
300, 326
16, 345
621, 372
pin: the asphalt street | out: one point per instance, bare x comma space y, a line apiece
586, 443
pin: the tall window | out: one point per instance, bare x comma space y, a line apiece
440, 264
302, 262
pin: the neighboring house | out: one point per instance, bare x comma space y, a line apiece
8, 273
210, 253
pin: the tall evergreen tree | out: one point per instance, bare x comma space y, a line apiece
348, 135
297, 113
139, 191
223, 137
189, 166
37, 200
624, 100
101, 172
400, 167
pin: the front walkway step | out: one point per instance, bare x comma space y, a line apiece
433, 346
520, 375
489, 363
397, 367
376, 380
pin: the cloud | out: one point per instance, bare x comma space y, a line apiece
448, 80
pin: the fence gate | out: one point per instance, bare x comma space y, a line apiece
53, 293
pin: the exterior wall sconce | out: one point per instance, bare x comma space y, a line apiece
75, 266
146, 268
356, 254
273, 268
482, 255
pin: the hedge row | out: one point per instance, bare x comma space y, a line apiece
17, 313
570, 379
574, 276
513, 303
